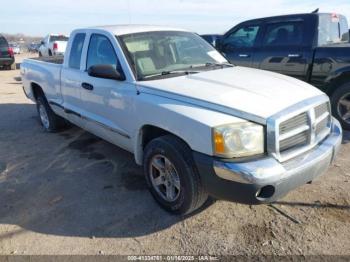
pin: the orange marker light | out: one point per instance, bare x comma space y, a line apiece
219, 143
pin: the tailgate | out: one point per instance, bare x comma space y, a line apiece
61, 46
4, 52
4, 48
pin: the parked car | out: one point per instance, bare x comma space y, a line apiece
312, 47
53, 45
33, 48
7, 58
16, 49
212, 39
197, 124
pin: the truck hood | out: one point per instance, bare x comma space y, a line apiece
240, 91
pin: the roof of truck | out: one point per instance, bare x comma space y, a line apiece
131, 29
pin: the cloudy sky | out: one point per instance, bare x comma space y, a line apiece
38, 17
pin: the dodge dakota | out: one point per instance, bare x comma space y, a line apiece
198, 125
312, 47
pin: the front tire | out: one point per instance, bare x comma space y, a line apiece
172, 176
48, 119
341, 105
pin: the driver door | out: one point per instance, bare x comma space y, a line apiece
238, 45
106, 103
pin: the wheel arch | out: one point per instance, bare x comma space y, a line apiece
337, 79
146, 134
36, 90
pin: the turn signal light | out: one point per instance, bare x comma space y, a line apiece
219, 143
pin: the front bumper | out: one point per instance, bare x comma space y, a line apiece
266, 180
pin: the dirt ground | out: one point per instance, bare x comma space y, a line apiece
72, 193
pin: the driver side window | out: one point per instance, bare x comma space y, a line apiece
101, 52
243, 37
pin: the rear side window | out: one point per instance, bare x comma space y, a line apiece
243, 37
3, 42
332, 28
288, 33
101, 52
76, 51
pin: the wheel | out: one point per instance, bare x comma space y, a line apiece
341, 105
50, 53
48, 119
13, 66
172, 176
40, 54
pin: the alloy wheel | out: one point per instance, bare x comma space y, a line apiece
164, 178
344, 108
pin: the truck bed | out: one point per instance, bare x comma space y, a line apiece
50, 59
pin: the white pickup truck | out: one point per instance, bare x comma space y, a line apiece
198, 125
53, 45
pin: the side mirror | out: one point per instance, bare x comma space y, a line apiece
105, 71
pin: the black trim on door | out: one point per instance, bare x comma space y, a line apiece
69, 111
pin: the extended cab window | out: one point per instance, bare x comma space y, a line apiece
101, 52
76, 51
288, 33
243, 37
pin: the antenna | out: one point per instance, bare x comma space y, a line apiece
315, 11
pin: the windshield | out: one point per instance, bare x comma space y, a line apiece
163, 52
54, 38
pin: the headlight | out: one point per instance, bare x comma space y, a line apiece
238, 140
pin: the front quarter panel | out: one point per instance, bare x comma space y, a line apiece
191, 123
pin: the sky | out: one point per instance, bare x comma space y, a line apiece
40, 17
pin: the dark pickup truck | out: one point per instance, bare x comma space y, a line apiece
7, 58
312, 47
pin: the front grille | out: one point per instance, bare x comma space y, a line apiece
300, 132
294, 141
321, 109
293, 123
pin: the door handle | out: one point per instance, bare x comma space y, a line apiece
294, 55
87, 86
244, 55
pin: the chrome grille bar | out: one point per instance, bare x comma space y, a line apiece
298, 128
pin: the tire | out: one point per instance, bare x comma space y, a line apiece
341, 105
47, 118
40, 54
50, 53
189, 194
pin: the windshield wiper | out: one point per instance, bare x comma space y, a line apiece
163, 73
210, 64
218, 64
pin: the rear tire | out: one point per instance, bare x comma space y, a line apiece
40, 54
48, 119
171, 155
50, 53
341, 105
